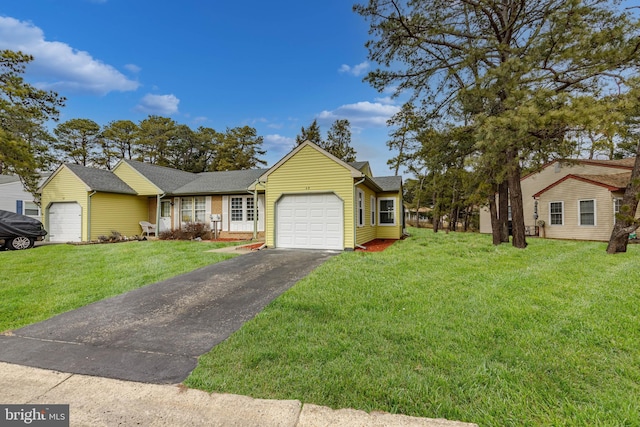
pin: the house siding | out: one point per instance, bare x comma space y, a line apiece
12, 192
390, 231
310, 171
367, 232
65, 186
152, 211
538, 181
139, 183
571, 192
117, 212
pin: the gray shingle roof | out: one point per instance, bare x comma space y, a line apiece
358, 165
100, 179
221, 182
389, 183
7, 179
167, 179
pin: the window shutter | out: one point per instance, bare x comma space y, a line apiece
19, 206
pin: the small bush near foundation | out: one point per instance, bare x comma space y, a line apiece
190, 231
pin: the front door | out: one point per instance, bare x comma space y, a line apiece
165, 216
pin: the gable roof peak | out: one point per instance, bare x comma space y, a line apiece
354, 172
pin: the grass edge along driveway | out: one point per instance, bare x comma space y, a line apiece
39, 283
447, 325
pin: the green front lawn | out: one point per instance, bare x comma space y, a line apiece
39, 283
447, 325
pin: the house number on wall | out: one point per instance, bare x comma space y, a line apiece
307, 188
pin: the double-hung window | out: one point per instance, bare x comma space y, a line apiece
242, 208
587, 212
193, 209
372, 204
360, 208
556, 213
237, 209
250, 209
31, 209
387, 211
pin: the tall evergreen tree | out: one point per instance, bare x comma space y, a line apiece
24, 110
78, 141
311, 133
123, 136
505, 63
338, 141
241, 148
154, 139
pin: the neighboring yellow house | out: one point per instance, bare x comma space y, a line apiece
576, 199
81, 204
309, 199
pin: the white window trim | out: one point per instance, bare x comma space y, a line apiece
395, 212
562, 205
372, 204
207, 209
24, 208
360, 207
595, 216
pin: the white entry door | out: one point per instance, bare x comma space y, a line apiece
310, 221
165, 216
65, 222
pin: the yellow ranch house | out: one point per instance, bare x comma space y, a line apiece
309, 200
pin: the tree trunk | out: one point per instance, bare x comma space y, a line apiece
453, 222
626, 222
503, 211
495, 221
515, 196
467, 217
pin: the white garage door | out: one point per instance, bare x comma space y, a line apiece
309, 221
65, 222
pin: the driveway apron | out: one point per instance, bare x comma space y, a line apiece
155, 334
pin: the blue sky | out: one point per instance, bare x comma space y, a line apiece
274, 65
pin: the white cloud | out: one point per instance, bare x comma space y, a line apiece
361, 114
386, 100
200, 119
133, 68
60, 66
356, 70
158, 104
279, 143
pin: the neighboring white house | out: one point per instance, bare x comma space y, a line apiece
576, 199
14, 198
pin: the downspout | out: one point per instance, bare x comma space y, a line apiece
89, 215
355, 211
255, 208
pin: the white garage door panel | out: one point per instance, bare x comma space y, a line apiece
65, 222
310, 222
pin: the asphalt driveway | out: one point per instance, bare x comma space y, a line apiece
156, 333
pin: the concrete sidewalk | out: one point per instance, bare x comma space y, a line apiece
107, 402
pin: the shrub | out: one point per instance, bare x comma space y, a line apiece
190, 231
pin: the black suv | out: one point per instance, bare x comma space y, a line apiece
19, 231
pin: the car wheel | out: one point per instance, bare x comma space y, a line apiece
19, 243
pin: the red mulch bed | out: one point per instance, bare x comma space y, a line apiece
377, 245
